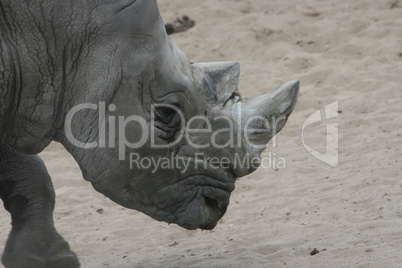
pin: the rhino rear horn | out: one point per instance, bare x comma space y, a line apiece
218, 79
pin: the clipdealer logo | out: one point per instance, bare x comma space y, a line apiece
331, 155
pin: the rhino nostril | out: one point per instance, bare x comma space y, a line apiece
211, 202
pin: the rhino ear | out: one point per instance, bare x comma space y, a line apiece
219, 80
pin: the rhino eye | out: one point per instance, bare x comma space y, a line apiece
165, 114
167, 122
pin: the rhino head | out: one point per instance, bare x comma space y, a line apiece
160, 134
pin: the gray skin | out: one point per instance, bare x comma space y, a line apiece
56, 55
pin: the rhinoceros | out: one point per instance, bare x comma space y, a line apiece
150, 129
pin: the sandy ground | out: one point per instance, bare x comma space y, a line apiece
345, 51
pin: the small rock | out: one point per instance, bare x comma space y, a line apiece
394, 4
311, 13
368, 250
314, 252
169, 28
173, 244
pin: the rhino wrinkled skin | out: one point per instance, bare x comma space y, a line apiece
102, 77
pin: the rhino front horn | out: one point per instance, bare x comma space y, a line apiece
268, 113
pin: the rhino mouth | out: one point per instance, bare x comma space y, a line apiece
209, 201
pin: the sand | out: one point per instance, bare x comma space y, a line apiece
342, 51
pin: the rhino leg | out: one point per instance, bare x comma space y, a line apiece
28, 194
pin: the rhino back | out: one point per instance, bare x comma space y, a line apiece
42, 45
59, 53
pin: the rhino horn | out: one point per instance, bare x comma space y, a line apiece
218, 79
270, 111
